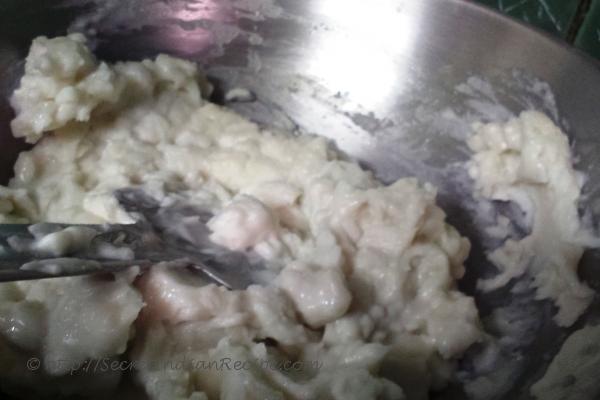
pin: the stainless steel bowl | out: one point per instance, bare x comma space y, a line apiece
394, 83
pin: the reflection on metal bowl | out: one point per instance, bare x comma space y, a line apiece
394, 83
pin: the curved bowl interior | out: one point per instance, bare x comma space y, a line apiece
394, 83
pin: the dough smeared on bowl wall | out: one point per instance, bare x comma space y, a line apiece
527, 160
365, 299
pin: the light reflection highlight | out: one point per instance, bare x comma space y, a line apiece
354, 57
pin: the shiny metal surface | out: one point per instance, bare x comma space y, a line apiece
159, 235
394, 83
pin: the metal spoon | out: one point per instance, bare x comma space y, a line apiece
174, 234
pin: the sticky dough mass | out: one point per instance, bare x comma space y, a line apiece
365, 295
527, 160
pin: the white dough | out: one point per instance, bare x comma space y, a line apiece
371, 269
65, 241
320, 295
242, 224
528, 160
573, 373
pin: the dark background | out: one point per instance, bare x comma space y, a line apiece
576, 21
